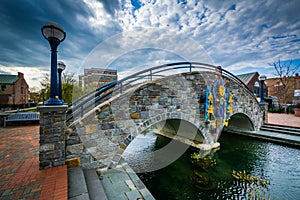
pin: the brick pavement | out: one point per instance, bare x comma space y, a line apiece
284, 119
20, 177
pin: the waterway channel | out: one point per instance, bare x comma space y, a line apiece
278, 164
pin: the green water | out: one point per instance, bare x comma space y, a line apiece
279, 164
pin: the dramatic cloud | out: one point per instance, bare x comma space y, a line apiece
241, 36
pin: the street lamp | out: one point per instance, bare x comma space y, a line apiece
55, 35
262, 78
61, 67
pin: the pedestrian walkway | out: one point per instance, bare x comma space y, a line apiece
20, 177
284, 119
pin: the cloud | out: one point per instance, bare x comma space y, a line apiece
31, 75
233, 34
145, 47
230, 32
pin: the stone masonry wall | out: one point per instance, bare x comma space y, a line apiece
101, 137
52, 136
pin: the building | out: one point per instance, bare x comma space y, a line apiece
97, 77
251, 80
13, 90
276, 89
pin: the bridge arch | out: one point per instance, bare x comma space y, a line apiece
241, 121
174, 126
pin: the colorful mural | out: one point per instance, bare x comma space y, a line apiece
218, 106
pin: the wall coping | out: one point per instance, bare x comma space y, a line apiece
51, 108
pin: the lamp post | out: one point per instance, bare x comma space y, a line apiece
262, 78
55, 35
61, 67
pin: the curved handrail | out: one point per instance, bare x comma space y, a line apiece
99, 94
87, 94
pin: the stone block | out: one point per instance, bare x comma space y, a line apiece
46, 147
144, 115
45, 164
58, 162
54, 154
86, 158
57, 119
73, 162
73, 140
60, 145
74, 149
135, 115
90, 128
110, 125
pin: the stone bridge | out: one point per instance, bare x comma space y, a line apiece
192, 107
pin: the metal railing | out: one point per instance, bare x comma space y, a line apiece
89, 100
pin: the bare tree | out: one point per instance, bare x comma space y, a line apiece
284, 72
68, 77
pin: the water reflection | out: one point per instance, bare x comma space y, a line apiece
274, 162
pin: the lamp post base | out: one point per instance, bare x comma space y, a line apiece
54, 101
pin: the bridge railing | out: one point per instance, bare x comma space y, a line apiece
89, 100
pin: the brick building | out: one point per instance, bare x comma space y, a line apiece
13, 89
251, 80
97, 77
275, 88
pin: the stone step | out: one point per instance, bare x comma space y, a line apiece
281, 129
289, 139
84, 184
77, 188
94, 186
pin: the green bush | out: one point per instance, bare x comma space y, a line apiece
276, 110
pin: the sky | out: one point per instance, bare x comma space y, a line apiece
129, 35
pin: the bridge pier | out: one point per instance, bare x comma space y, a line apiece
52, 135
264, 107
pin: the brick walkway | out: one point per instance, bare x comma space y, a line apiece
20, 177
284, 119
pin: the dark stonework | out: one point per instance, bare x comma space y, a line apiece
52, 136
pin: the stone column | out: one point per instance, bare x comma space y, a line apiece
264, 106
52, 135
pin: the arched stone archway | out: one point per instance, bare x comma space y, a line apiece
241, 121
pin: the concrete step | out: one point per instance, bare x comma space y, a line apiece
77, 188
84, 184
283, 138
281, 129
94, 186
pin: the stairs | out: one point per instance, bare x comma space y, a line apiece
276, 133
281, 129
279, 133
84, 184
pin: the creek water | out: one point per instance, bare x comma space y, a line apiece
268, 161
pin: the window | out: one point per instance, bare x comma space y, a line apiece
108, 78
95, 77
3, 87
113, 78
102, 78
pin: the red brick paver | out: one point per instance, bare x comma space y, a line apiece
20, 177
284, 119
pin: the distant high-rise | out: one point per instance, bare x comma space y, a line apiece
97, 77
